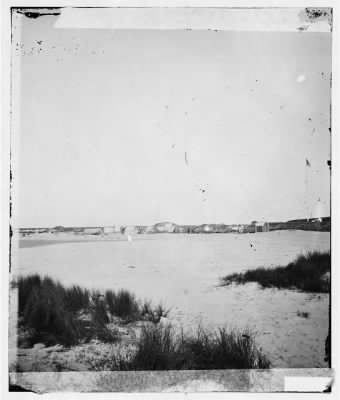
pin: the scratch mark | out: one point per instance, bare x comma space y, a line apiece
186, 159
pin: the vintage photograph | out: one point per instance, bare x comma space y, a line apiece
170, 189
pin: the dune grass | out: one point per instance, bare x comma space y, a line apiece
50, 312
153, 314
53, 313
304, 273
160, 348
123, 303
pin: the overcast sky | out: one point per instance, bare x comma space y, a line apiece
138, 126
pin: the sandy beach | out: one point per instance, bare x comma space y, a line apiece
183, 271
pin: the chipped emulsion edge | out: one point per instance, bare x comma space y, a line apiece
254, 381
279, 19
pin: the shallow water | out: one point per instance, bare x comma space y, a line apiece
183, 272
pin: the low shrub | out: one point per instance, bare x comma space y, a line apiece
305, 273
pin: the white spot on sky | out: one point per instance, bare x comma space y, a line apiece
300, 79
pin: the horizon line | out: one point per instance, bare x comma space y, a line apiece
163, 222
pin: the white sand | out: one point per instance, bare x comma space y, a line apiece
183, 272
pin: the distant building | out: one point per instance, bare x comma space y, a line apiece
237, 229
186, 229
31, 231
249, 228
241, 229
205, 228
58, 229
162, 227
261, 227
149, 229
93, 231
181, 229
221, 228
107, 230
141, 229
131, 230
77, 230
228, 229
275, 226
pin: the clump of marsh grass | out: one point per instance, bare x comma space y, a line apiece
53, 313
226, 349
153, 314
304, 273
160, 348
157, 349
122, 304
77, 298
43, 310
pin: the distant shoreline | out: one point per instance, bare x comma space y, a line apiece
314, 224
36, 240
